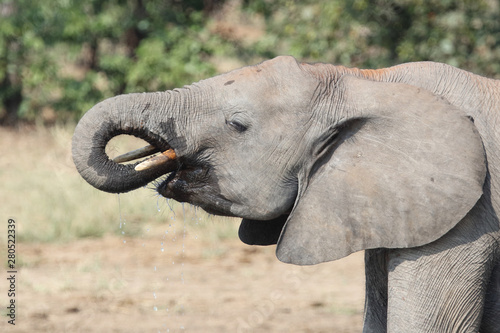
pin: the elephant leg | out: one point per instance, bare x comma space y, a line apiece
491, 317
375, 317
441, 287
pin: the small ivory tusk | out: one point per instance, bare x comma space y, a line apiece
166, 156
135, 154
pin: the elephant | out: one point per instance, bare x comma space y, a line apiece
325, 161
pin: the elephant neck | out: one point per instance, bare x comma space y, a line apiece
472, 93
477, 96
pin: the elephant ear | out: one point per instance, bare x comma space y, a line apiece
405, 168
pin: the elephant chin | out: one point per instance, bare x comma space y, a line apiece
253, 232
192, 184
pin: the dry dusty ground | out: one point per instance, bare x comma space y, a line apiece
108, 285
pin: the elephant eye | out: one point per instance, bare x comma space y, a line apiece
237, 125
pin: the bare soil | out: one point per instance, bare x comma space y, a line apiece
180, 284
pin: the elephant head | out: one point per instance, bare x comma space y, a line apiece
321, 162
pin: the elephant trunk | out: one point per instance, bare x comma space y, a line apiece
133, 114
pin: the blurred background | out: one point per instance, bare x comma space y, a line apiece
91, 261
60, 57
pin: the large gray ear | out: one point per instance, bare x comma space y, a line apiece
406, 168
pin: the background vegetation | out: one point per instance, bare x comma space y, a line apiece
60, 57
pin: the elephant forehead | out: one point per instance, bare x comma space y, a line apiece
245, 75
266, 79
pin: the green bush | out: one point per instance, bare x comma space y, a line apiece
66, 55
380, 33
60, 57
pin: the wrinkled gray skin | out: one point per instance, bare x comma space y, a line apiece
325, 161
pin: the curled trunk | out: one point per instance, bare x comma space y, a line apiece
133, 114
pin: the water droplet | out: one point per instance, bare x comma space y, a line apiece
162, 249
170, 206
155, 308
119, 209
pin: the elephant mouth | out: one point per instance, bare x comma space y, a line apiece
185, 182
155, 162
192, 185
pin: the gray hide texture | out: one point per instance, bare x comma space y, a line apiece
405, 171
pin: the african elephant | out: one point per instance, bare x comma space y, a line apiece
325, 161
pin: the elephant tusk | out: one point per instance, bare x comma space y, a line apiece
135, 154
166, 156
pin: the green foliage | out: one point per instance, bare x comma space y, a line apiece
60, 57
66, 55
379, 33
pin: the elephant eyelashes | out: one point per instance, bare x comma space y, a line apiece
239, 127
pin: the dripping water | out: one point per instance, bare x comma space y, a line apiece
171, 236
167, 245
122, 219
